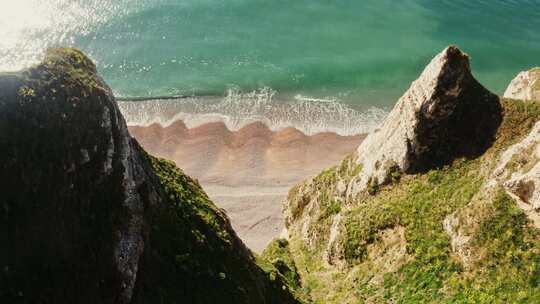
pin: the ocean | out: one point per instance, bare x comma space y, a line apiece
317, 65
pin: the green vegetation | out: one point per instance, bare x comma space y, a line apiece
333, 208
519, 118
421, 208
349, 167
419, 204
69, 70
505, 247
276, 260
373, 186
509, 270
394, 174
187, 195
195, 255
329, 205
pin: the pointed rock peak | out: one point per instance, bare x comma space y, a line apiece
525, 86
445, 114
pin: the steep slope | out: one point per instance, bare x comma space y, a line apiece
526, 85
450, 216
249, 171
444, 115
88, 217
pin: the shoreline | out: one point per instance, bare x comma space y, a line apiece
239, 109
247, 172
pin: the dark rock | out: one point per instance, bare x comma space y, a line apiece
88, 217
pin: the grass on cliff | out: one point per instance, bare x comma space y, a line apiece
187, 236
187, 195
330, 204
421, 206
196, 256
63, 69
277, 261
509, 269
508, 247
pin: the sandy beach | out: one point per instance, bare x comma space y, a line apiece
247, 172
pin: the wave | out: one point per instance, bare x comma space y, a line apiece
238, 109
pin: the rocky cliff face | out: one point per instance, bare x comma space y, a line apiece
444, 115
88, 217
519, 172
247, 172
526, 86
437, 206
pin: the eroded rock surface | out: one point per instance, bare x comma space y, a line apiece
445, 114
69, 173
519, 172
88, 217
459, 206
526, 86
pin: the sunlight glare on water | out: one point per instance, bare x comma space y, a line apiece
364, 53
29, 27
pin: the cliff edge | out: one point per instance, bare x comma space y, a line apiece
526, 85
88, 217
445, 114
440, 205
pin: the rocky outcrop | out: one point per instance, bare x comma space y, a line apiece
445, 114
526, 86
249, 171
457, 217
460, 239
88, 217
69, 171
519, 172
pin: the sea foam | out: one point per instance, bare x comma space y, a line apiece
237, 109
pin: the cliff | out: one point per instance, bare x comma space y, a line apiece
440, 205
445, 114
247, 172
526, 85
88, 216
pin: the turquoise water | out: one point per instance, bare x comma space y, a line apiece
358, 52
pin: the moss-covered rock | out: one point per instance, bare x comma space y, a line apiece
70, 176
193, 254
88, 217
450, 233
278, 262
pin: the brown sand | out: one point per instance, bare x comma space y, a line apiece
247, 172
